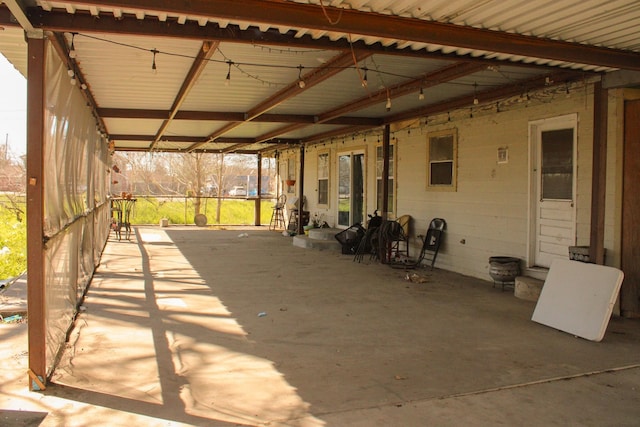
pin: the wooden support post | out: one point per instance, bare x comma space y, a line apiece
300, 230
385, 171
599, 173
258, 191
36, 48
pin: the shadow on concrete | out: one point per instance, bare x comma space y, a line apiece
202, 327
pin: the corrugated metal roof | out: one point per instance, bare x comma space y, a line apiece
14, 47
263, 76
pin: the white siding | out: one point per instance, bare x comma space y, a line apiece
488, 215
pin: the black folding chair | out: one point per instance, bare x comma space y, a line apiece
430, 245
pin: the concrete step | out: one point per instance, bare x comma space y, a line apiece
307, 242
528, 288
324, 233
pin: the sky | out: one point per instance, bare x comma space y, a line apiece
13, 109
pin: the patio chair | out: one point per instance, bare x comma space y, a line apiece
277, 216
400, 237
371, 239
430, 245
350, 238
432, 241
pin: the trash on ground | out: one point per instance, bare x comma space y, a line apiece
262, 314
241, 235
11, 319
415, 278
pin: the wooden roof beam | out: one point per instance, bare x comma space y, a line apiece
435, 78
492, 95
297, 15
130, 113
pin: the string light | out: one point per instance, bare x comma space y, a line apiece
227, 80
475, 93
301, 83
364, 81
72, 48
388, 105
154, 68
421, 95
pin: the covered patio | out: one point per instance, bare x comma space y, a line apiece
184, 326
172, 333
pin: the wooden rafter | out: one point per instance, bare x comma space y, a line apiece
200, 62
318, 75
434, 78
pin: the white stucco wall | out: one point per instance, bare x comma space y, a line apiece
489, 213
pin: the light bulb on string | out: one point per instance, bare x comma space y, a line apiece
364, 78
70, 72
388, 104
421, 95
227, 80
301, 83
154, 68
72, 48
475, 93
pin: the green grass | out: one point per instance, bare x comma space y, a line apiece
13, 232
13, 237
181, 211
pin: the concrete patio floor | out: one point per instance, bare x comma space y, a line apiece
187, 326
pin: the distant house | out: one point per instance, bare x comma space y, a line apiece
12, 178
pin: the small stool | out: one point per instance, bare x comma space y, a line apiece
277, 216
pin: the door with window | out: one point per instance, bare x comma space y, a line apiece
554, 169
351, 188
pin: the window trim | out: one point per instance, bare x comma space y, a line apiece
392, 177
454, 170
328, 178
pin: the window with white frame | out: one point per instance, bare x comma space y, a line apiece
391, 186
442, 149
323, 179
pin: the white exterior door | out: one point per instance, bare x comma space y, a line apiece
554, 187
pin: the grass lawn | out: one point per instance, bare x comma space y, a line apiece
180, 211
13, 223
13, 236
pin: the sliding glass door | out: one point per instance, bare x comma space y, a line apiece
351, 176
